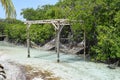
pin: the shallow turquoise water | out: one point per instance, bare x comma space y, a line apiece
71, 67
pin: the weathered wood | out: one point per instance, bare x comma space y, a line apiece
84, 45
3, 35
58, 44
58, 25
28, 40
55, 21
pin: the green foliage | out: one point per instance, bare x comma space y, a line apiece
117, 20
16, 32
29, 14
44, 12
108, 40
100, 19
41, 33
2, 27
108, 46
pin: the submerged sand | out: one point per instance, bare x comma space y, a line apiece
71, 67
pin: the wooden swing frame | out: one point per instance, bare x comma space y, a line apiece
58, 26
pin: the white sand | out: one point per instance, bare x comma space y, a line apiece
70, 68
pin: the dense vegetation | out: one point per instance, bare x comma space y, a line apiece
100, 19
16, 31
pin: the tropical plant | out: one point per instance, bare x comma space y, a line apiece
9, 8
100, 19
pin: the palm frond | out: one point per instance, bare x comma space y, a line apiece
9, 8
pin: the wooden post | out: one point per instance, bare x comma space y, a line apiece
56, 40
84, 45
58, 43
28, 40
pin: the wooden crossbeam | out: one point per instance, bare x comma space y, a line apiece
61, 21
3, 35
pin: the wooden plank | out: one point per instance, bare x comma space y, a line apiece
57, 23
61, 21
3, 35
58, 44
28, 40
84, 45
56, 28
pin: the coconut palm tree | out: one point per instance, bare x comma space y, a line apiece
9, 8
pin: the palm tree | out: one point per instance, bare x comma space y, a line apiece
9, 8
